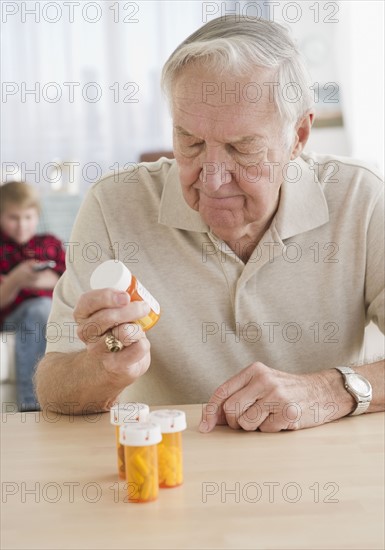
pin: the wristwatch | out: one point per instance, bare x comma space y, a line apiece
359, 387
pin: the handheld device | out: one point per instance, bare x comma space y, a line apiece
49, 264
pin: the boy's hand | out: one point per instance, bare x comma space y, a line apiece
46, 279
23, 275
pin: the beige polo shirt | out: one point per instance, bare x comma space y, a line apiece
300, 304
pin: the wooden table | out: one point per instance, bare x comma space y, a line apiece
316, 488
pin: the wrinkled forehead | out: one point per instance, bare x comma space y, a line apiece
203, 100
204, 85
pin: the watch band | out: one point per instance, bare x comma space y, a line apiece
345, 370
362, 406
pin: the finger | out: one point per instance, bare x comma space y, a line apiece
283, 417
222, 419
92, 328
208, 409
272, 424
132, 360
253, 417
265, 415
214, 407
240, 401
212, 412
95, 300
232, 421
233, 410
128, 333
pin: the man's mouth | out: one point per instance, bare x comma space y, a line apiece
219, 202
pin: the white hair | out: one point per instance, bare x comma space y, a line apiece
239, 45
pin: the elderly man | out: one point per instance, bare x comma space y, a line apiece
267, 262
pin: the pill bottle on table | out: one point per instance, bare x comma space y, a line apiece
114, 274
124, 413
140, 441
170, 453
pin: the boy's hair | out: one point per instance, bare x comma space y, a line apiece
20, 194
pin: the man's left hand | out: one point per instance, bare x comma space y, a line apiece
270, 400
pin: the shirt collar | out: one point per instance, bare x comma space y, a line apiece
302, 204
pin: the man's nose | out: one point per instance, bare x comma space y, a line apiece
216, 170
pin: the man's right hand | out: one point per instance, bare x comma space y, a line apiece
106, 310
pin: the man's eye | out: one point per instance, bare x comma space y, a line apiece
196, 144
240, 152
237, 150
247, 152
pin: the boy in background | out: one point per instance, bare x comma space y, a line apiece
26, 291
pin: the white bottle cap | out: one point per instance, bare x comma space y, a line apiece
123, 413
140, 434
169, 420
111, 274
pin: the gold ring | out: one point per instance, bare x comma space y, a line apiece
112, 343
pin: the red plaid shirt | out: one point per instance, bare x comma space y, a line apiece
43, 248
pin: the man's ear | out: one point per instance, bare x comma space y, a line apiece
302, 134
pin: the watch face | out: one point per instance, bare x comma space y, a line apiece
359, 384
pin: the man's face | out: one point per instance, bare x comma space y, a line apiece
19, 223
225, 146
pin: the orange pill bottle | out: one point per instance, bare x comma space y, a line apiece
124, 413
114, 274
140, 441
170, 452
